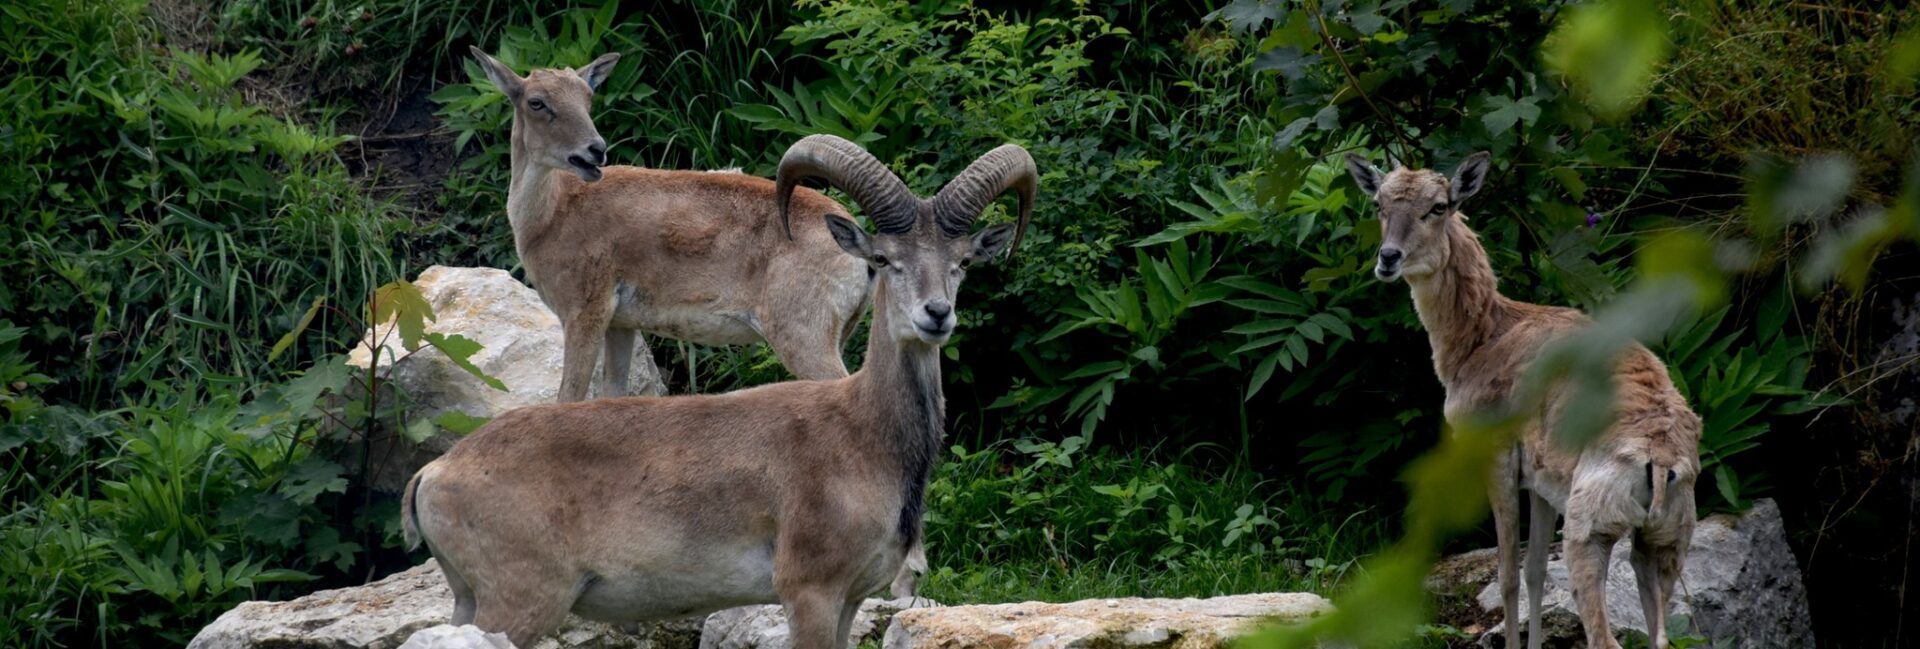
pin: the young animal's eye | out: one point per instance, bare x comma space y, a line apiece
878, 260
1438, 210
965, 262
536, 104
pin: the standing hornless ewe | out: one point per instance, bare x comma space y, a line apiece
1635, 479
691, 255
806, 493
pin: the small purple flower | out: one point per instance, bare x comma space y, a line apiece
1593, 219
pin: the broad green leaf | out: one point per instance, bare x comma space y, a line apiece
460, 423
1263, 372
460, 350
418, 431
401, 302
1503, 112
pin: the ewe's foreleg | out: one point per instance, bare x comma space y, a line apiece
583, 332
1540, 526
1503, 495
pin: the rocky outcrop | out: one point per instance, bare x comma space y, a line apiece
1107, 623
447, 636
765, 627
386, 613
1741, 585
520, 345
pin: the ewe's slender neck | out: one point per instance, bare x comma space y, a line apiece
1458, 303
531, 192
899, 384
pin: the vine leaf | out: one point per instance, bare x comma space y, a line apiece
460, 350
401, 302
1505, 112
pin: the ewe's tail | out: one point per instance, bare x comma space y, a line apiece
409, 518
1658, 479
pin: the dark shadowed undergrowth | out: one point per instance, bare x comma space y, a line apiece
1186, 383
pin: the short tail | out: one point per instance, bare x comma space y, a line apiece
1658, 478
410, 517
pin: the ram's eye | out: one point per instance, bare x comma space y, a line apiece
536, 104
1438, 210
878, 260
965, 262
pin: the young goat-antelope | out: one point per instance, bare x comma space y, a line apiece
805, 493
691, 255
1636, 479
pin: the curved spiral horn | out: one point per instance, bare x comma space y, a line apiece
848, 166
961, 201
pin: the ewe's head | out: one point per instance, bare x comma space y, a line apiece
551, 112
922, 249
1416, 207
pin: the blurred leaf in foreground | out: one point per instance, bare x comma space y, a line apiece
1779, 195
1610, 50
1848, 255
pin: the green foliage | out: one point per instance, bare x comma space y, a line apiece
1197, 277
166, 216
1040, 519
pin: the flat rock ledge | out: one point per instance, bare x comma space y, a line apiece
386, 613
1106, 623
765, 627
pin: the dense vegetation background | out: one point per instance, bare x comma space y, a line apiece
1186, 383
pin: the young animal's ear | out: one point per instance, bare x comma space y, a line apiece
597, 71
1364, 174
1470, 176
497, 72
989, 242
850, 237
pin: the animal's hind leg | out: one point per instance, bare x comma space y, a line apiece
1540, 525
847, 612
617, 364
526, 611
813, 618
1587, 556
1503, 494
462, 595
1656, 566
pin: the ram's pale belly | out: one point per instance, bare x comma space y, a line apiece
701, 581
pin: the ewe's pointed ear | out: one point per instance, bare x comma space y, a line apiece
501, 75
989, 242
850, 237
597, 71
1364, 174
1470, 176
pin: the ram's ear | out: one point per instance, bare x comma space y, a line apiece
850, 237
498, 73
1470, 176
990, 242
1364, 174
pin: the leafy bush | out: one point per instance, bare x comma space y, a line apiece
1055, 520
170, 219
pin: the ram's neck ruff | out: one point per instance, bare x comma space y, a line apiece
901, 377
